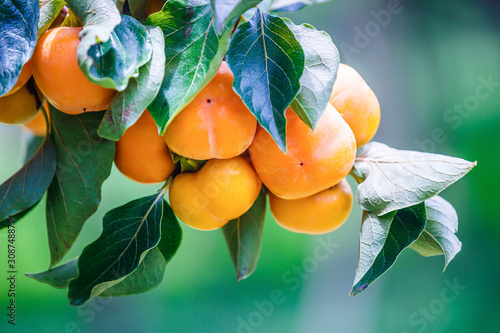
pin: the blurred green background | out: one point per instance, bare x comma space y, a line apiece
424, 62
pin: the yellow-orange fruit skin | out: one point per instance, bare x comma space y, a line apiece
317, 214
37, 125
357, 103
59, 77
222, 190
18, 108
216, 124
142, 155
315, 160
24, 76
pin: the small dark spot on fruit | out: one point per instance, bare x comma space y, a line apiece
301, 163
209, 100
84, 109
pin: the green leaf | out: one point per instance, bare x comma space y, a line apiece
290, 5
129, 233
150, 272
393, 179
33, 143
57, 277
244, 237
227, 10
128, 105
439, 235
316, 83
18, 24
382, 239
48, 13
84, 162
194, 52
114, 62
267, 62
26, 187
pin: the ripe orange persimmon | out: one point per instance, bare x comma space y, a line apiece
37, 125
18, 108
222, 190
315, 160
216, 124
317, 214
357, 103
141, 153
24, 76
59, 77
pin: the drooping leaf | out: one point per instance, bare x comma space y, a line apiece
25, 188
393, 179
150, 272
32, 144
382, 239
267, 62
289, 5
48, 13
84, 162
244, 236
18, 32
128, 105
114, 62
57, 277
129, 233
439, 235
193, 50
228, 10
321, 65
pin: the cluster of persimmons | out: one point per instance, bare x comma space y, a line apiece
307, 186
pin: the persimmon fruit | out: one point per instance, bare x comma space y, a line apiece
216, 124
57, 73
19, 107
357, 103
141, 153
315, 160
222, 190
317, 214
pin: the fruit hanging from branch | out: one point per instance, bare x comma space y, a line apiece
227, 106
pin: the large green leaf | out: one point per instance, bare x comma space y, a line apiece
393, 179
24, 189
244, 237
57, 277
150, 272
439, 235
129, 233
117, 60
228, 10
48, 13
382, 239
18, 35
128, 105
267, 62
321, 65
84, 162
193, 50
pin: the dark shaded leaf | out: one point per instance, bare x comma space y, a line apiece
84, 162
18, 36
57, 277
244, 237
24, 189
382, 239
129, 233
267, 62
